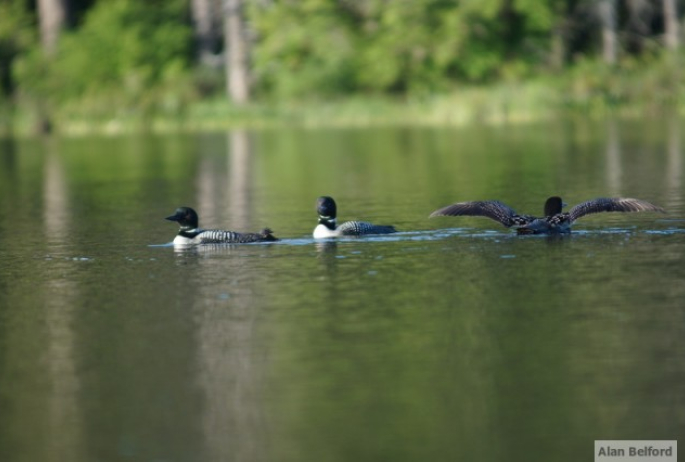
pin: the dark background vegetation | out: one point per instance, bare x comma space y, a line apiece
98, 58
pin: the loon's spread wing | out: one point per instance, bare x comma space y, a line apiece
494, 210
358, 228
617, 204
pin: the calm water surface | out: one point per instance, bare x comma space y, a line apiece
452, 340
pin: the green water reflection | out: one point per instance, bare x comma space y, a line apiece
453, 340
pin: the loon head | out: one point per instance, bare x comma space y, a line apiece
186, 218
327, 210
554, 206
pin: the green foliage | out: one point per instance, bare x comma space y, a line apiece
17, 35
303, 47
391, 46
648, 84
132, 60
408, 46
124, 49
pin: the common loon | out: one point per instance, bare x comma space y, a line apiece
327, 210
190, 234
554, 222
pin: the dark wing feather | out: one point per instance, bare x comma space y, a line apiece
494, 210
616, 204
217, 236
359, 228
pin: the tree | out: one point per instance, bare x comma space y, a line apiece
671, 24
204, 30
17, 35
236, 51
638, 25
558, 44
125, 50
52, 16
607, 17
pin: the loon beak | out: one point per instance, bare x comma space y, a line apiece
176, 217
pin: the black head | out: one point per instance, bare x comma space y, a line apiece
186, 218
325, 207
553, 206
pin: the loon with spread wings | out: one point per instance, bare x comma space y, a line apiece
554, 221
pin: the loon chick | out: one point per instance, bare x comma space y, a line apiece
327, 210
190, 234
554, 221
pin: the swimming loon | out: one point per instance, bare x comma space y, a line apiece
554, 222
327, 210
190, 234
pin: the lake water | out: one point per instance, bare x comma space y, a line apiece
454, 339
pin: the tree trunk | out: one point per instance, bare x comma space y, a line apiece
562, 12
607, 16
671, 32
638, 25
236, 51
202, 12
52, 16
558, 51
